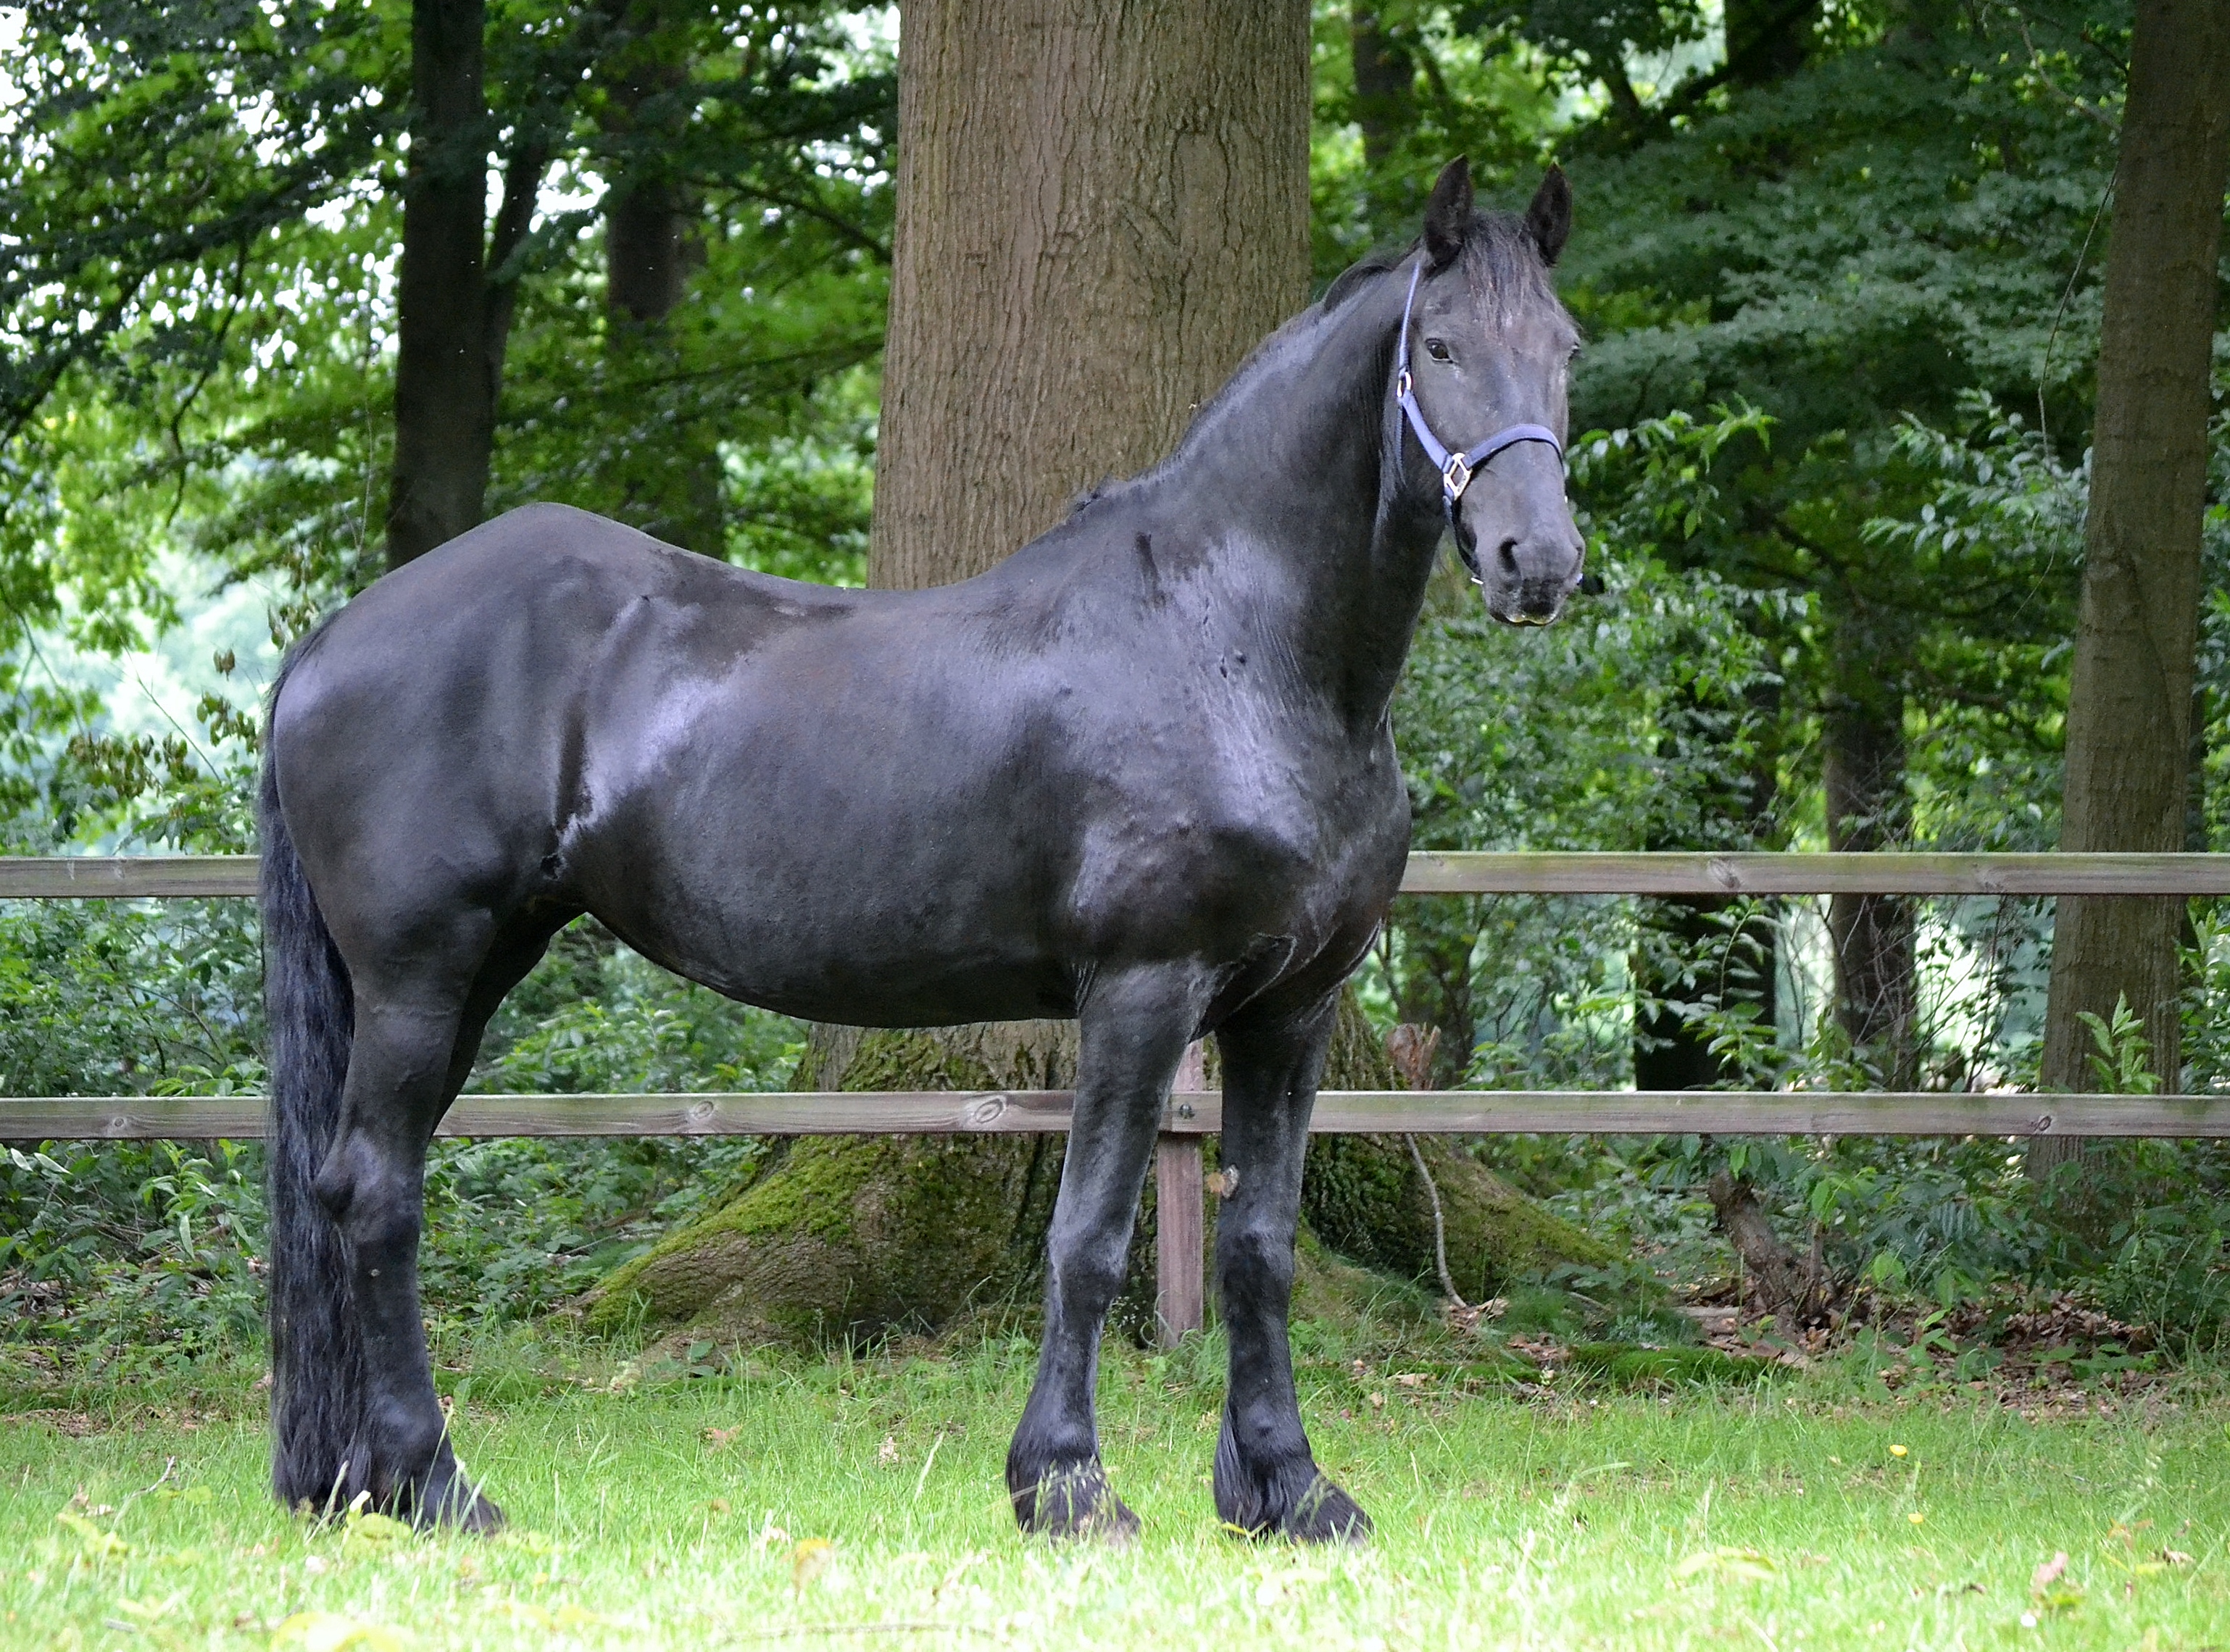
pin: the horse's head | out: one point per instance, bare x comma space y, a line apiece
1488, 348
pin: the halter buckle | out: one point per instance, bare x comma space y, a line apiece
1455, 477
1401, 386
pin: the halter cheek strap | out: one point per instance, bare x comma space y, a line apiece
1456, 469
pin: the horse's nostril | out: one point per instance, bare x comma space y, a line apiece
1505, 556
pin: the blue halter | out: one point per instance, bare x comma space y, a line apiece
1456, 469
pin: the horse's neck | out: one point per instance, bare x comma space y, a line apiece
1290, 458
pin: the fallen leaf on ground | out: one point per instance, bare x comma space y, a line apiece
332, 1632
98, 1544
808, 1560
1746, 1564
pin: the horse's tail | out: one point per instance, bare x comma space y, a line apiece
318, 1400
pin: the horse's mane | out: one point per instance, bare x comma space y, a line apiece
1500, 259
1499, 262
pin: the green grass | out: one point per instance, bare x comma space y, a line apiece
1777, 1516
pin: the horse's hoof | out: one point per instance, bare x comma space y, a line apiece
1076, 1503
1319, 1512
478, 1517
1324, 1513
453, 1505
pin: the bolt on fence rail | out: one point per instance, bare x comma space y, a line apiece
1193, 1112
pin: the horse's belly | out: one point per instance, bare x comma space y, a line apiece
835, 974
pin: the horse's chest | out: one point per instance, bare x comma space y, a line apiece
1282, 844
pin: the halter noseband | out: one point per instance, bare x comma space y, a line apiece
1456, 469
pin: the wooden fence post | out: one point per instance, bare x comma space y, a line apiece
1180, 1220
1180, 1282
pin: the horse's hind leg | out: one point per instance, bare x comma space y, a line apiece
1134, 1026
1267, 1479
415, 1040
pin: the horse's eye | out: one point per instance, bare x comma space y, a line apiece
1436, 350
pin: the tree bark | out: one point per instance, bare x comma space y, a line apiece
1385, 86
669, 488
444, 399
1101, 209
1867, 810
1768, 40
455, 288
2130, 702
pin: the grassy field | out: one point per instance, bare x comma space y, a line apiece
859, 1505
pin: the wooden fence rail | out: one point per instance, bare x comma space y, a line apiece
1190, 1113
1430, 872
1194, 1113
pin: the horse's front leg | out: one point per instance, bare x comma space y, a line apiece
1267, 1479
1134, 1026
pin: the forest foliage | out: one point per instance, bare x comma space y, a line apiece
1839, 265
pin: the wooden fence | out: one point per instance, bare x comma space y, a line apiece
1190, 1113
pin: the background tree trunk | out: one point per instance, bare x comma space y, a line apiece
670, 488
455, 288
1867, 810
444, 398
2129, 701
1385, 85
1101, 209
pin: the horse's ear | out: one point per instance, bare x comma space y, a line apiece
1447, 214
1549, 219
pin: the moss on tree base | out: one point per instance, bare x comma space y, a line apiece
846, 1238
1363, 1197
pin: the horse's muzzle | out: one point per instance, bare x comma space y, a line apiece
1528, 602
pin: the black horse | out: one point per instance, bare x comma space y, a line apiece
1140, 773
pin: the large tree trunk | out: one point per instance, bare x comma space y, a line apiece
454, 289
2130, 703
1100, 211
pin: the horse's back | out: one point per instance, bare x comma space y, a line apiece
430, 736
